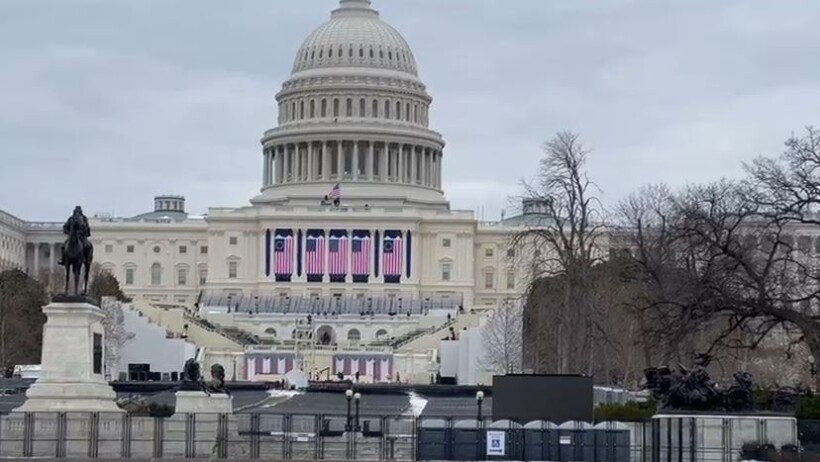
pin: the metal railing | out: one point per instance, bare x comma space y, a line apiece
365, 437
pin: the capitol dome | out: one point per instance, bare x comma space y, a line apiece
355, 36
354, 112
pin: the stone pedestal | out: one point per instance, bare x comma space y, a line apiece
71, 375
197, 402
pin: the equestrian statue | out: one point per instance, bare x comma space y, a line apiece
78, 252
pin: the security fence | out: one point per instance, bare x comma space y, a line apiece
400, 438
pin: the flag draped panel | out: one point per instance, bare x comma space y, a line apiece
337, 250
315, 255
393, 256
360, 255
283, 247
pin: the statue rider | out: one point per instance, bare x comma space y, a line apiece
81, 222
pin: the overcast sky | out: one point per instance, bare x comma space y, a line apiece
106, 103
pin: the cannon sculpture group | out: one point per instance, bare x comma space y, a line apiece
694, 390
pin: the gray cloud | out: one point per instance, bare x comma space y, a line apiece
156, 96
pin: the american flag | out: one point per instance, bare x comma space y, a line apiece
392, 254
283, 253
335, 193
337, 251
360, 251
315, 253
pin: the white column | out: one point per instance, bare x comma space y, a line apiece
426, 167
340, 165
51, 263
400, 159
36, 261
286, 168
368, 168
280, 165
311, 174
383, 163
325, 162
265, 168
413, 164
355, 160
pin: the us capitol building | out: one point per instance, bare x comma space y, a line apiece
367, 283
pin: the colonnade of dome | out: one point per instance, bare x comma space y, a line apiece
353, 112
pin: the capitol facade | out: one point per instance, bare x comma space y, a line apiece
351, 226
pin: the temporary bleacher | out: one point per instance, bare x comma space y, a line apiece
328, 306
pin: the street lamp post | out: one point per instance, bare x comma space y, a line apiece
349, 396
358, 398
479, 399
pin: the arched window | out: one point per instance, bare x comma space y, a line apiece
350, 52
390, 55
371, 53
302, 109
349, 108
312, 108
362, 108
416, 113
354, 335
324, 107
398, 110
156, 274
407, 112
361, 52
375, 109
387, 109
381, 54
330, 53
381, 333
321, 52
293, 110
336, 107
313, 54
271, 331
341, 52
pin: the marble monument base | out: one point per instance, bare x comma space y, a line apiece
197, 402
71, 372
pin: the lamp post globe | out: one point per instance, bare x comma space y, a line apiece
349, 396
479, 399
357, 397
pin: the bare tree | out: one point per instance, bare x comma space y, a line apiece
502, 336
563, 246
116, 335
730, 269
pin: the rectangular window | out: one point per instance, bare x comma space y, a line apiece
129, 276
489, 280
511, 280
203, 276
129, 249
488, 252
446, 242
109, 248
203, 249
183, 249
446, 272
232, 270
234, 240
182, 276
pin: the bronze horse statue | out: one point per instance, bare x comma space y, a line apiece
78, 252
